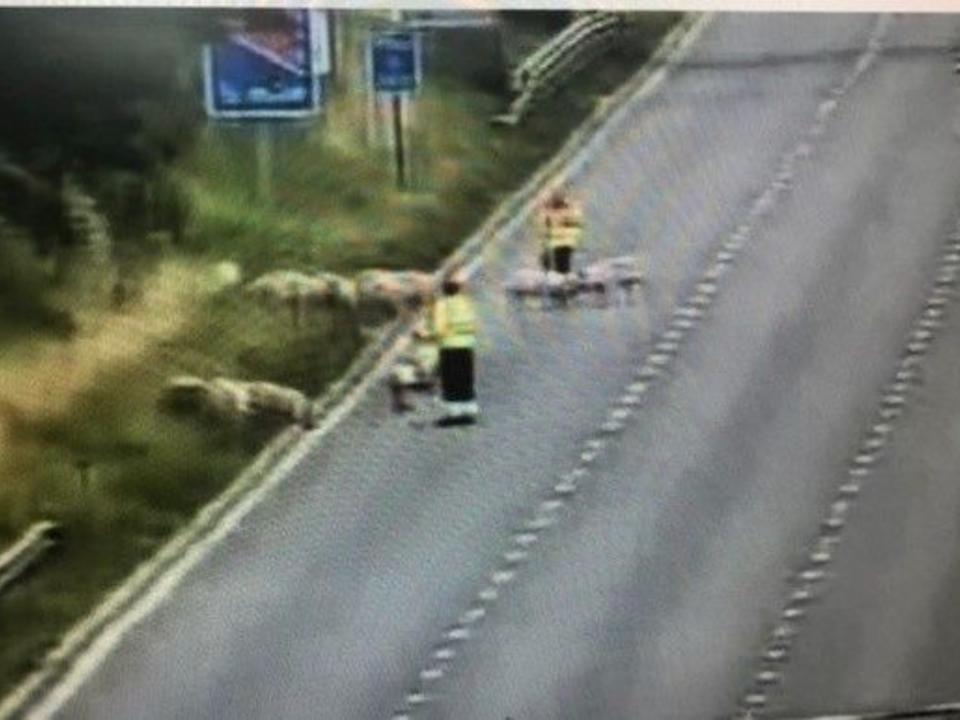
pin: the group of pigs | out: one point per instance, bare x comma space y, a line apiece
405, 290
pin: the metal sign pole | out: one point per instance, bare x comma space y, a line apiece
394, 61
397, 102
371, 124
336, 44
264, 153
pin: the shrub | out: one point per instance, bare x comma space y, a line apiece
24, 291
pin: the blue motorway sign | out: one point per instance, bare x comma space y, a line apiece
269, 72
395, 62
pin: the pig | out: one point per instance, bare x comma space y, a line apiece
227, 399
236, 400
531, 283
186, 393
404, 289
296, 288
273, 399
624, 273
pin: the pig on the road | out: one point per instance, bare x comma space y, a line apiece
624, 273
532, 283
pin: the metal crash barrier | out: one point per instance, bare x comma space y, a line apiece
550, 65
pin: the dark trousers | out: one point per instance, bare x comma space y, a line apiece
558, 259
456, 374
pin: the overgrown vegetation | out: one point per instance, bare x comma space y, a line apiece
82, 439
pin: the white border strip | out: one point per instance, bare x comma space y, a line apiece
944, 711
775, 6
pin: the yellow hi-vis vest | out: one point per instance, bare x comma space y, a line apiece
455, 322
562, 227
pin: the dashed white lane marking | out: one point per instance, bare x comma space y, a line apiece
461, 633
775, 654
416, 699
514, 557
474, 615
826, 109
689, 312
767, 676
444, 654
648, 371
793, 613
431, 674
666, 347
551, 505
637, 387
541, 522
812, 575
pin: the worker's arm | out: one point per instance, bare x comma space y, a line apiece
541, 227
438, 318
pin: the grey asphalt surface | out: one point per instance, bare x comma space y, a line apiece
652, 597
887, 633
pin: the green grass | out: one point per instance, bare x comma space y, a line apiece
149, 473
24, 288
335, 208
236, 338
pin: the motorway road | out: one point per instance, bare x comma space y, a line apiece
653, 595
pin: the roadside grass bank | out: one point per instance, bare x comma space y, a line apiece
82, 439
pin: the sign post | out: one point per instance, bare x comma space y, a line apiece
395, 65
262, 75
397, 104
264, 143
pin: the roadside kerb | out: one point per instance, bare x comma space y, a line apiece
26, 551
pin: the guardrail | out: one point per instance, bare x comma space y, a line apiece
23, 554
542, 72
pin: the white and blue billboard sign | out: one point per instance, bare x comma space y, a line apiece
272, 72
394, 59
